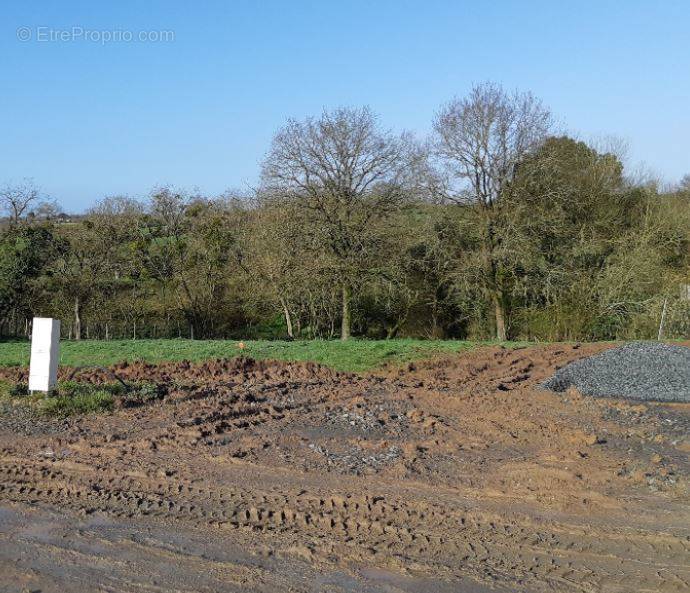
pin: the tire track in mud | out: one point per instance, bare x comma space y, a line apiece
360, 528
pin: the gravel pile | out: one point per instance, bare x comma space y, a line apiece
640, 370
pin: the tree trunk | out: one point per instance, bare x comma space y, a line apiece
490, 246
77, 319
345, 324
391, 332
288, 318
499, 309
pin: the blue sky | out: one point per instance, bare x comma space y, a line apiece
86, 118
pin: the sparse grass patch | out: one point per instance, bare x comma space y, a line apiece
84, 401
70, 398
74, 398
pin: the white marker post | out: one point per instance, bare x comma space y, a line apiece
45, 354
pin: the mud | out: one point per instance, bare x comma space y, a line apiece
457, 474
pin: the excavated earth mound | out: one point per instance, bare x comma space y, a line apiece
460, 474
647, 371
239, 369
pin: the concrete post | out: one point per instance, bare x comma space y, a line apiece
45, 354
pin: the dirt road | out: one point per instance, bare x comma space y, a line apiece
454, 475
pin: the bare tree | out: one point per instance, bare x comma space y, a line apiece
346, 174
479, 141
15, 200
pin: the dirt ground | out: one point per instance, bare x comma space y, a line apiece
452, 475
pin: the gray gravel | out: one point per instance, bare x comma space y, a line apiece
355, 460
648, 371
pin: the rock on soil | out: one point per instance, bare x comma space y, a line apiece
648, 371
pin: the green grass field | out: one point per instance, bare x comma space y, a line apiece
354, 355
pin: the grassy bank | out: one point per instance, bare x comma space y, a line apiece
354, 355
74, 398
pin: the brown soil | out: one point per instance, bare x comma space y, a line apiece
452, 475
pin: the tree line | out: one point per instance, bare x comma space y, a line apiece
496, 226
